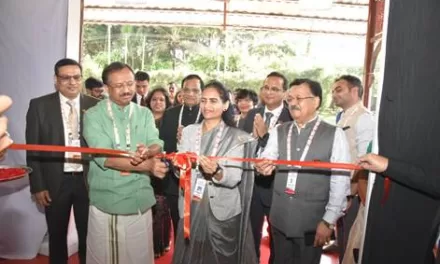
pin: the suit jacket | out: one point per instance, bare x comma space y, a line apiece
168, 133
408, 136
248, 125
44, 125
264, 184
134, 99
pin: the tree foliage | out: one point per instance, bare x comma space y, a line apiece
241, 59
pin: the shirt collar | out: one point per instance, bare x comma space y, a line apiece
352, 108
276, 111
310, 123
64, 99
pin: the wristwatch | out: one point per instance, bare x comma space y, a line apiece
350, 197
327, 224
217, 170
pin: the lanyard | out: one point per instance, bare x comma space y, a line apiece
181, 114
218, 138
293, 175
115, 129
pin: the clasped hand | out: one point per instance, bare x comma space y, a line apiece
265, 167
156, 166
140, 155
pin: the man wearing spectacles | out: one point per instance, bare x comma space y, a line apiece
260, 121
173, 121
306, 203
58, 180
121, 195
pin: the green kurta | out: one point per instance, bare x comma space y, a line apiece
108, 190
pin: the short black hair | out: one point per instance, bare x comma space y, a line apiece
354, 82
92, 82
190, 77
279, 75
112, 67
142, 76
66, 62
246, 93
315, 87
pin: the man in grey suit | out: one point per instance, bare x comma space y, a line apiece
306, 203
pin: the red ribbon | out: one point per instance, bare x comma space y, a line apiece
386, 190
55, 148
184, 162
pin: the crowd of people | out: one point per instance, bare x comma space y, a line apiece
126, 208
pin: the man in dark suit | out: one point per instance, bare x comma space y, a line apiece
142, 86
403, 219
259, 121
173, 121
58, 180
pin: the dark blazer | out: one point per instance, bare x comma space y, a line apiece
168, 133
44, 125
264, 184
409, 136
134, 99
248, 125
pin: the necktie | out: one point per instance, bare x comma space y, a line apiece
268, 117
73, 120
338, 117
143, 101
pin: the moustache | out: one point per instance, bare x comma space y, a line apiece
125, 94
294, 107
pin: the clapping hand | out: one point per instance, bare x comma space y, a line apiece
260, 128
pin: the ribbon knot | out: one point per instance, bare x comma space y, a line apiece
184, 162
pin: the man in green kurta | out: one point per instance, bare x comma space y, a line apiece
121, 196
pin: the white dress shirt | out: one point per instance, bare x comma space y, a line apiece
65, 110
276, 114
339, 180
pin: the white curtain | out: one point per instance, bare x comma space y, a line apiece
32, 39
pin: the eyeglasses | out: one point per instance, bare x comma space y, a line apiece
298, 99
118, 86
271, 89
66, 78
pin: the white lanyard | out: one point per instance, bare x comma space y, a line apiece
293, 175
181, 113
115, 128
218, 138
200, 182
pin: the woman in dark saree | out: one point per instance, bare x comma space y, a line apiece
158, 101
220, 227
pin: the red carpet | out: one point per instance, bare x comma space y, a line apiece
166, 259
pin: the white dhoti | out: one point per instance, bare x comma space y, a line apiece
119, 239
